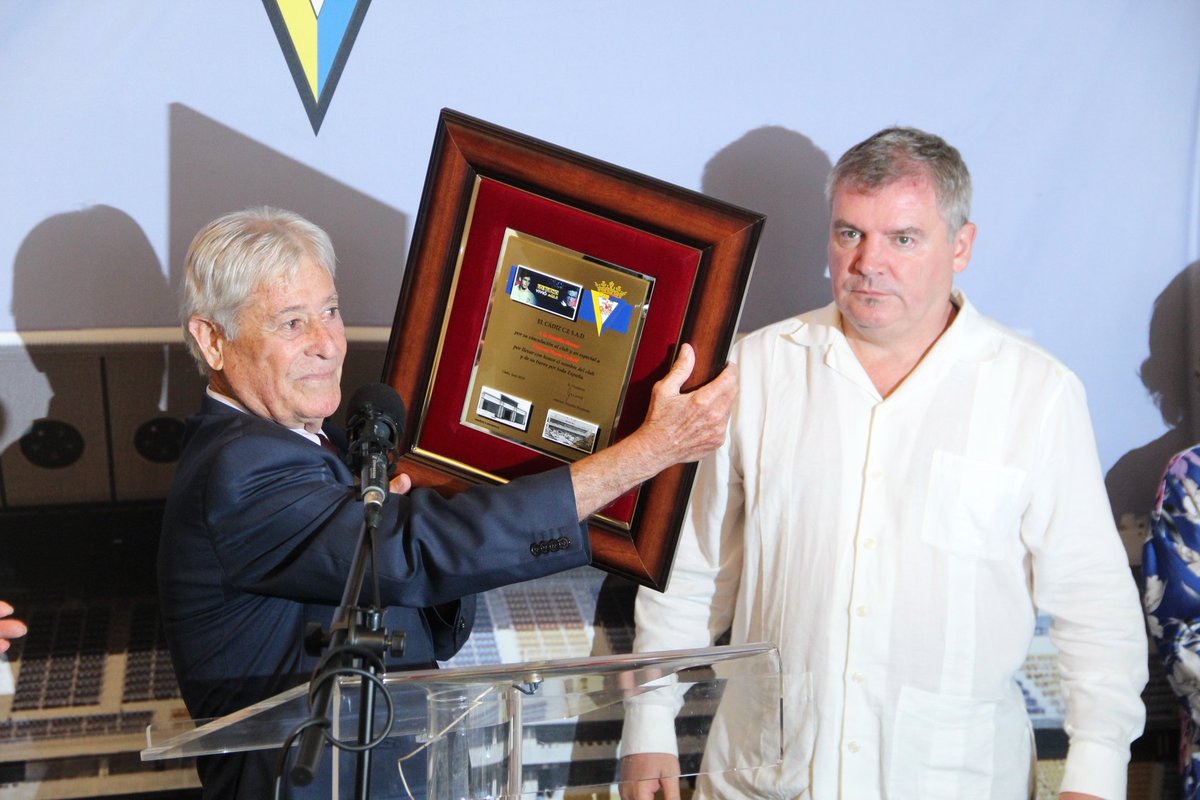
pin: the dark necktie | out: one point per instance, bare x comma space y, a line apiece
328, 445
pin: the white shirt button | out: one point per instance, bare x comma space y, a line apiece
860, 611
857, 677
868, 544
853, 747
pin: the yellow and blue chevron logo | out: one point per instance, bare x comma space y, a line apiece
316, 37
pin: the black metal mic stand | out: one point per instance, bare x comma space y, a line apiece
357, 633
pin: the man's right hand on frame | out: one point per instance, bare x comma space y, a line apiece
686, 427
643, 774
679, 427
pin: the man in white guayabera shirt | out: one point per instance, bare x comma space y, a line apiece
905, 485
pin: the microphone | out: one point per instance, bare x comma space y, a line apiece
374, 424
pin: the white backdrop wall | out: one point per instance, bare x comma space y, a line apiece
129, 123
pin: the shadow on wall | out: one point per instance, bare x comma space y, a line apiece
87, 269
782, 174
98, 422
215, 170
1171, 374
92, 268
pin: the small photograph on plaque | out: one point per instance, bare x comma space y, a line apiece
557, 347
571, 431
544, 292
504, 408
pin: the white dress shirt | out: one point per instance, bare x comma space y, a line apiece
229, 401
897, 551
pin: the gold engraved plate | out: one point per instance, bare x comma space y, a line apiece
556, 349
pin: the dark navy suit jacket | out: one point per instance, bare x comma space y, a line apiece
259, 533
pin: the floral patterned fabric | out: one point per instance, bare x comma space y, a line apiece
1171, 596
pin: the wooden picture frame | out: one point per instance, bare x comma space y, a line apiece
484, 180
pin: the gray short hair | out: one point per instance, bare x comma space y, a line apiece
896, 153
234, 255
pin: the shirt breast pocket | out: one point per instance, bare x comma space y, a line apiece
972, 507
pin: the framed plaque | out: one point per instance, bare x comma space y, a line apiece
545, 293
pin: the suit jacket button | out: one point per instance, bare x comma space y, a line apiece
535, 548
563, 543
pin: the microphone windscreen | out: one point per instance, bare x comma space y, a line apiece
376, 399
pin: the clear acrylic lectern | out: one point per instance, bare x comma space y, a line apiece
535, 729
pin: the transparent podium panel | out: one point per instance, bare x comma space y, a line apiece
536, 729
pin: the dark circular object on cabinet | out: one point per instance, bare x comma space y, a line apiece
52, 444
159, 440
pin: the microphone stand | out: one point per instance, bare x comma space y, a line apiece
358, 631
